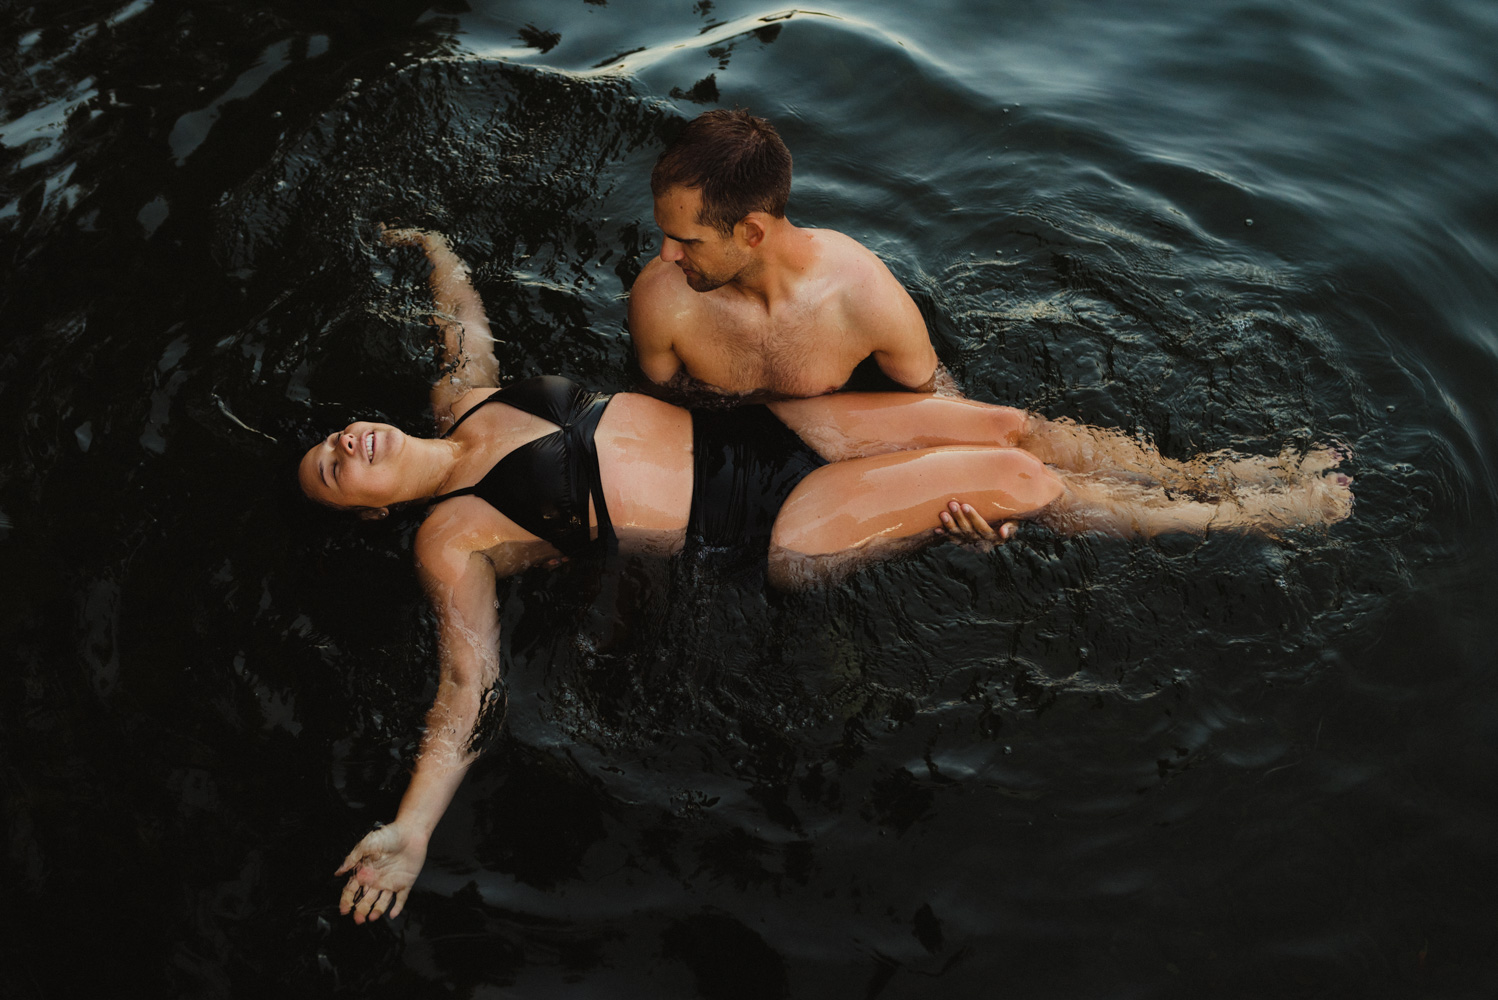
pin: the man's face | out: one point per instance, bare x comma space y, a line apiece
707, 258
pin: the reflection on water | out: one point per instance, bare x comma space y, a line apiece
1071, 767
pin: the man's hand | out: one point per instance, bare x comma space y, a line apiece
961, 523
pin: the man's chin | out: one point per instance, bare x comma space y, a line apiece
699, 283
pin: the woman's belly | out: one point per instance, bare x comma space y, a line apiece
645, 461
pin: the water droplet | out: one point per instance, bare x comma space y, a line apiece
1390, 408
1248, 222
1179, 293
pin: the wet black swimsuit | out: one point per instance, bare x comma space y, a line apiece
745, 463
544, 485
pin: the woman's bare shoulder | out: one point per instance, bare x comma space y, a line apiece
456, 530
464, 402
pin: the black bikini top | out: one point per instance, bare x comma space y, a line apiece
544, 485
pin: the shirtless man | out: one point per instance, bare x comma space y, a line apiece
740, 301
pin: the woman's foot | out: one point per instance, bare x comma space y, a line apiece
1314, 500
1226, 470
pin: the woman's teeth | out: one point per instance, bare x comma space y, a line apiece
369, 446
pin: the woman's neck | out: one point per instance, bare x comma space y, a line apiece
432, 463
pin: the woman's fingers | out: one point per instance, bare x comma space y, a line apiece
362, 908
381, 869
403, 237
369, 902
352, 890
381, 903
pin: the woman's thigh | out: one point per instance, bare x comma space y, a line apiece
890, 498
848, 425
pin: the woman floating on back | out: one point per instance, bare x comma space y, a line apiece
544, 469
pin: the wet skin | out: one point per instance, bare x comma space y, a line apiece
770, 307
362, 465
645, 457
896, 459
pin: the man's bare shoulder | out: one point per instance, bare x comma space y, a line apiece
658, 281
842, 248
660, 301
876, 310
863, 281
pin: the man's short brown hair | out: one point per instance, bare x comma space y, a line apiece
738, 162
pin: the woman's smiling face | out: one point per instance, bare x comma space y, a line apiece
359, 466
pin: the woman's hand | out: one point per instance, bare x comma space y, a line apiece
410, 237
961, 523
384, 865
467, 341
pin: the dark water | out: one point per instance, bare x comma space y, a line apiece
1223, 768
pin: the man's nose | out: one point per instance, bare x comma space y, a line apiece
670, 250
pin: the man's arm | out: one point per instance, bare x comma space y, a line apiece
897, 336
901, 344
652, 325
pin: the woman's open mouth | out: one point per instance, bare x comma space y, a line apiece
369, 446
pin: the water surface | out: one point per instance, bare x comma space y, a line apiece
1220, 767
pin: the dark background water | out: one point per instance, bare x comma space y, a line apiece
1068, 768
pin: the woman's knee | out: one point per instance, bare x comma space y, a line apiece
1011, 425
847, 504
1022, 483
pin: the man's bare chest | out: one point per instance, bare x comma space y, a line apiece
793, 357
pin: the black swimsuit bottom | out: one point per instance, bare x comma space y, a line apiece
746, 462
544, 485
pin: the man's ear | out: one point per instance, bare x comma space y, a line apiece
751, 229
374, 513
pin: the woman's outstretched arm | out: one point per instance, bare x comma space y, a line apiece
467, 342
384, 865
